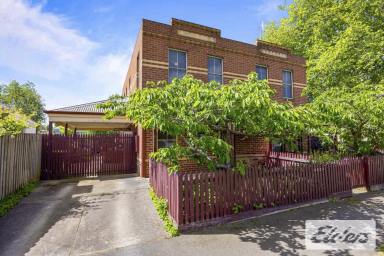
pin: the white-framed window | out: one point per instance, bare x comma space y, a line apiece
287, 84
262, 72
215, 69
177, 64
165, 140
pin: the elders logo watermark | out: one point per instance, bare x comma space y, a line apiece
340, 235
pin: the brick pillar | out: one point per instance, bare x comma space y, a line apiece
146, 146
306, 148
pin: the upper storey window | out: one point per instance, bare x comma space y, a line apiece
177, 63
262, 72
215, 69
287, 84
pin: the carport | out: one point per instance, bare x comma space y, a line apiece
86, 153
86, 117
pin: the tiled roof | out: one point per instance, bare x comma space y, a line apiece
82, 108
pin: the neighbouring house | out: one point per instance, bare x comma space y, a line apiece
163, 52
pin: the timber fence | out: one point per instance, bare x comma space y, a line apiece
20, 161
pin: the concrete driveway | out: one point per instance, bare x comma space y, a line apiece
81, 217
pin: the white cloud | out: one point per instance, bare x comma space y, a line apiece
27, 36
109, 71
42, 46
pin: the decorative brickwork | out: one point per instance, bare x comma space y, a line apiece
150, 63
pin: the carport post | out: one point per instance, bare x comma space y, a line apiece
66, 129
50, 128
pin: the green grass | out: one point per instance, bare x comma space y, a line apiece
161, 206
333, 199
13, 199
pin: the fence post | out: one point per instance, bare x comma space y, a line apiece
179, 211
366, 173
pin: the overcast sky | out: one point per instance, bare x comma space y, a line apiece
78, 51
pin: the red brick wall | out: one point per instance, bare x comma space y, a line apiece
191, 166
239, 59
251, 145
130, 83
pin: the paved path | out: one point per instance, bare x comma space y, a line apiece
81, 217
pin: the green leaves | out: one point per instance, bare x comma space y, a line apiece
9, 202
343, 41
12, 122
204, 115
161, 205
349, 119
24, 98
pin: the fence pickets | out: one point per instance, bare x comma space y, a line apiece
87, 155
198, 197
19, 161
376, 170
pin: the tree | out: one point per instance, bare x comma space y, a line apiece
343, 41
12, 122
204, 116
351, 120
24, 98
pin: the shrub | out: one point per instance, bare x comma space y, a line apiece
13, 199
161, 206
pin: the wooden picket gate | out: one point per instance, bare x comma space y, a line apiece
87, 155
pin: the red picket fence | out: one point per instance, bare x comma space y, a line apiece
166, 186
286, 158
87, 155
358, 170
376, 170
199, 197
290, 156
356, 164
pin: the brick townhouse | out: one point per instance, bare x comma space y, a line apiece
163, 52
